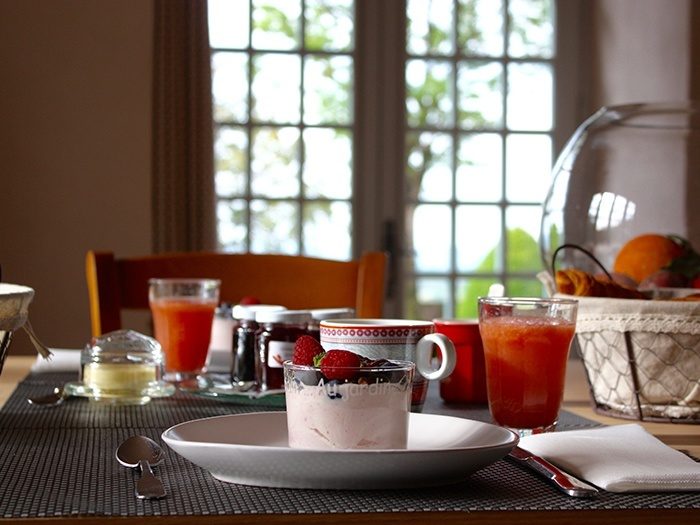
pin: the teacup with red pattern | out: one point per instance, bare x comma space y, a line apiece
401, 339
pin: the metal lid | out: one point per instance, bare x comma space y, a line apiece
320, 314
283, 316
246, 312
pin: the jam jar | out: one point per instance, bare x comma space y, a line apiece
243, 365
276, 336
320, 314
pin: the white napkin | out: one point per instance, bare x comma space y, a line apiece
61, 360
622, 458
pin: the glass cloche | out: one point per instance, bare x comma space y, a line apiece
626, 171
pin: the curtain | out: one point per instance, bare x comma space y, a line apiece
182, 165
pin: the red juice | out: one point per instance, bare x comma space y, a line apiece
525, 368
183, 328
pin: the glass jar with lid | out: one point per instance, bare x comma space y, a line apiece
122, 368
276, 336
319, 314
243, 367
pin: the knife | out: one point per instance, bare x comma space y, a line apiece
565, 482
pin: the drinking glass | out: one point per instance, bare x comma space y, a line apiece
183, 313
526, 347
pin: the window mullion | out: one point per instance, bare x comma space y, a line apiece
378, 191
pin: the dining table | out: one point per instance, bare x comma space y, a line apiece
58, 465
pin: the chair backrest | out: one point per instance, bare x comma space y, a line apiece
296, 282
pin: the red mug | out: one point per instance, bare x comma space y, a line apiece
467, 383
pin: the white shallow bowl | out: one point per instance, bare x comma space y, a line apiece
14, 305
252, 449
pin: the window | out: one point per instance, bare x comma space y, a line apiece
479, 81
298, 167
283, 84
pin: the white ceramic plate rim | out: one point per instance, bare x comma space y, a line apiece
255, 455
169, 438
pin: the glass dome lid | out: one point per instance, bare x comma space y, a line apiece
626, 171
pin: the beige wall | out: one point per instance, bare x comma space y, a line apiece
646, 51
75, 143
640, 51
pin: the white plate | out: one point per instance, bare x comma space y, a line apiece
251, 449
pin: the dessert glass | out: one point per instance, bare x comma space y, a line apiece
369, 411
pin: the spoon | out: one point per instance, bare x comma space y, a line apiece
55, 398
143, 452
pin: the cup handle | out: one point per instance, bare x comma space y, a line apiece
424, 354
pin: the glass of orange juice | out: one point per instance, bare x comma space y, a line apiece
526, 347
183, 312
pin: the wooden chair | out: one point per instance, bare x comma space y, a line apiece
293, 281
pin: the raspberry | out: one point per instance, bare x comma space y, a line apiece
305, 349
340, 365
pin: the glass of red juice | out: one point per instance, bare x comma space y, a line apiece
183, 313
526, 347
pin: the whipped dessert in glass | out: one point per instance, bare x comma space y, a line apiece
341, 400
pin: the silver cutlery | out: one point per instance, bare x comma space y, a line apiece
563, 480
143, 452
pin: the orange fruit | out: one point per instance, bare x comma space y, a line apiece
646, 254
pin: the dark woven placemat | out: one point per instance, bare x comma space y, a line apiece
60, 461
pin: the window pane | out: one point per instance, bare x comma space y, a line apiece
479, 168
274, 227
275, 162
327, 163
429, 27
429, 93
531, 28
429, 170
523, 229
468, 292
480, 27
528, 167
228, 23
327, 230
230, 86
478, 239
231, 154
276, 24
524, 288
329, 25
232, 230
432, 237
276, 88
328, 89
480, 95
530, 98
432, 298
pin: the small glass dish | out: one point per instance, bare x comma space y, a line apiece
358, 407
121, 368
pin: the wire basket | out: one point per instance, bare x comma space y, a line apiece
642, 357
